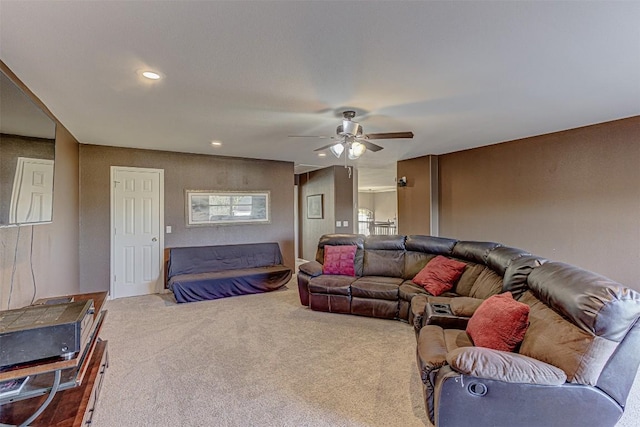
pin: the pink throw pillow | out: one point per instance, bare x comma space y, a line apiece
339, 260
439, 275
499, 323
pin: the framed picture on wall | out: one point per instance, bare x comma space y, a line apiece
226, 207
315, 208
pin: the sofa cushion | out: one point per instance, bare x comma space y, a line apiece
487, 284
339, 260
334, 285
464, 306
456, 338
474, 251
503, 366
385, 288
432, 347
552, 339
414, 262
499, 323
439, 275
468, 278
343, 239
430, 244
592, 302
380, 262
500, 258
311, 268
408, 290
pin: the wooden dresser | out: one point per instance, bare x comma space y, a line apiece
74, 403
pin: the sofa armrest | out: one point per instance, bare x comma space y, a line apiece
312, 268
503, 366
463, 400
464, 306
431, 355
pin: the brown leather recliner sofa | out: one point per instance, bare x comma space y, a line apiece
575, 366
385, 265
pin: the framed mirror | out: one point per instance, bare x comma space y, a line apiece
27, 155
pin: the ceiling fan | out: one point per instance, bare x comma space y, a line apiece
350, 137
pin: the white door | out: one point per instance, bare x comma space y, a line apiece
32, 196
137, 221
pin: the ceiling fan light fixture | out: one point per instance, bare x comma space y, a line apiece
337, 149
356, 150
349, 128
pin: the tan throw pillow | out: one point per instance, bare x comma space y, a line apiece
503, 366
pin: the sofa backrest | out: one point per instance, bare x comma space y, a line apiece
491, 267
343, 239
584, 318
384, 256
206, 259
422, 249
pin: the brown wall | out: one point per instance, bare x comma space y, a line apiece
181, 172
54, 259
413, 199
571, 196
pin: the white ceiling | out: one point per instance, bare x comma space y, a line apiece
249, 73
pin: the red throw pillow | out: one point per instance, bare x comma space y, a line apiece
499, 323
439, 275
339, 260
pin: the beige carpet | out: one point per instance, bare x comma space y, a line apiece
259, 360
255, 360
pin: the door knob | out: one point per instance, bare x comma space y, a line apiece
154, 239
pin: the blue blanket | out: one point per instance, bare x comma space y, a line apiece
212, 272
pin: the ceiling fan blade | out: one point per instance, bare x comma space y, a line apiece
309, 136
325, 147
389, 135
370, 145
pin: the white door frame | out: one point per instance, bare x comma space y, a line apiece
114, 169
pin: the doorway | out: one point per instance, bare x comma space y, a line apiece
137, 238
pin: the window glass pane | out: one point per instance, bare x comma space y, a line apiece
219, 210
242, 200
220, 200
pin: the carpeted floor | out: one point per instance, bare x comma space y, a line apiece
255, 360
259, 360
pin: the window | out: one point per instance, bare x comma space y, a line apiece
206, 207
365, 219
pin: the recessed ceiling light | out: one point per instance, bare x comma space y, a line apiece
151, 75
216, 143
322, 154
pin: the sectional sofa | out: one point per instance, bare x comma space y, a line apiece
574, 365
385, 265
